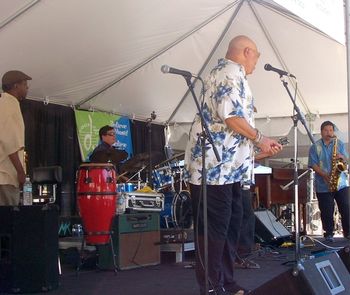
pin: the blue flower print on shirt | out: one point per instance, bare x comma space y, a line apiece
237, 109
221, 64
222, 90
213, 173
227, 155
236, 173
206, 114
218, 137
196, 151
241, 89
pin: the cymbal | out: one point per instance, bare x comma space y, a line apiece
176, 157
141, 160
114, 156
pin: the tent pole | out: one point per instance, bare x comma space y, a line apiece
347, 42
18, 13
208, 58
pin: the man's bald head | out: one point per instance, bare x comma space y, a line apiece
243, 50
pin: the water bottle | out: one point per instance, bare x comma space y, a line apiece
27, 193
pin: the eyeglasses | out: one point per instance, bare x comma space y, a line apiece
111, 134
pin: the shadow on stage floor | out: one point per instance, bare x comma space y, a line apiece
170, 278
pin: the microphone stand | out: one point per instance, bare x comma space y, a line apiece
298, 116
149, 126
204, 136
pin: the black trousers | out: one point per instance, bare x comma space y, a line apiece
246, 237
224, 221
326, 205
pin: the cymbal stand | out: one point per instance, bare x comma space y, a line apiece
181, 178
172, 181
139, 179
149, 126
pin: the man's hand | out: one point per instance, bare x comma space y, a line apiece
269, 146
326, 177
21, 178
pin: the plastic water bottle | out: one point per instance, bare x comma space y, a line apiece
27, 193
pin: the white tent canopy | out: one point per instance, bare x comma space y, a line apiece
106, 55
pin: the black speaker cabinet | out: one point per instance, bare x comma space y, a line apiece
28, 248
136, 240
268, 230
345, 256
324, 275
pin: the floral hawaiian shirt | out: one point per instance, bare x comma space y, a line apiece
227, 94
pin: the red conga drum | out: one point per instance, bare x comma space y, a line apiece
97, 193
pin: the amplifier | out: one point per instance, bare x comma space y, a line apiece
135, 241
28, 248
140, 202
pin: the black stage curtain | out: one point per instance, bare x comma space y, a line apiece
51, 139
141, 133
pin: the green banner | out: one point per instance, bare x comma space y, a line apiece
88, 125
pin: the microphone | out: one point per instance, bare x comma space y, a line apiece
169, 70
268, 67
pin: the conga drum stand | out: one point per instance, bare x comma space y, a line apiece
111, 242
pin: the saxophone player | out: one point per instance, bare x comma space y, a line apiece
331, 179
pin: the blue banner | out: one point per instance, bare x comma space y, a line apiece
123, 135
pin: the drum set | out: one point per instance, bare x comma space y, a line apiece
99, 192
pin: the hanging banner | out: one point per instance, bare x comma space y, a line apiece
123, 134
88, 125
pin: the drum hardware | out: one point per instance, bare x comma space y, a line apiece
139, 179
120, 175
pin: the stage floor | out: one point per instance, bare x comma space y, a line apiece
170, 278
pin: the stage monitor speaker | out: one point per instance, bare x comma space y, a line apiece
28, 248
345, 256
268, 230
324, 275
136, 240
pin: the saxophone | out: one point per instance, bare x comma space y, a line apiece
338, 166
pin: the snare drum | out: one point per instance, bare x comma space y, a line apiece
177, 211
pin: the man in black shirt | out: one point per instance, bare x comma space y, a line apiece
105, 152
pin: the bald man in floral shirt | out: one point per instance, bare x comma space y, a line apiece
228, 109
